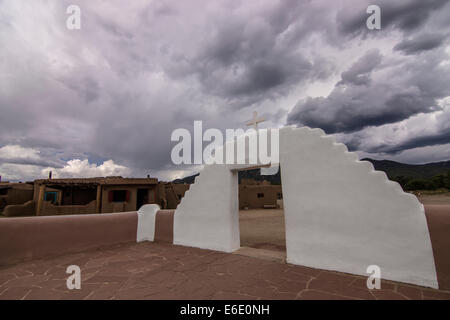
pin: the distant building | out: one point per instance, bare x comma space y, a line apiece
45, 197
171, 194
15, 194
93, 195
259, 194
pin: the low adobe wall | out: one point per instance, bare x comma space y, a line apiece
30, 238
20, 210
438, 217
155, 224
164, 226
49, 209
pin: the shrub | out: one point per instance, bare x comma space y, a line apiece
417, 184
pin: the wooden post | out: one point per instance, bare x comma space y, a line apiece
60, 195
40, 199
98, 199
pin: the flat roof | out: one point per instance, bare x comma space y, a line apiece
98, 181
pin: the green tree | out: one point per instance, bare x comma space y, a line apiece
447, 180
402, 180
438, 181
416, 184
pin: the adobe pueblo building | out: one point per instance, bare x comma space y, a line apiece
46, 197
91, 195
255, 194
15, 194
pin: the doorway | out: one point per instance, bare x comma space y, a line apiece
142, 198
261, 215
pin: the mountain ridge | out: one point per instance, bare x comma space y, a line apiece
398, 171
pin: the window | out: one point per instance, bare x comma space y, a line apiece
50, 196
118, 196
260, 195
279, 196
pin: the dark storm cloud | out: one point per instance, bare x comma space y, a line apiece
361, 100
358, 143
136, 71
435, 131
34, 162
424, 42
359, 73
245, 59
86, 87
405, 15
143, 145
415, 142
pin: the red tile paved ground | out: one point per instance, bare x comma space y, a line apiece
161, 271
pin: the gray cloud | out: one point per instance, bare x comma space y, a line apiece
424, 42
361, 100
359, 72
118, 87
435, 131
40, 163
415, 142
405, 15
249, 58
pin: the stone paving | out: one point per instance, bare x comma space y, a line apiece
162, 271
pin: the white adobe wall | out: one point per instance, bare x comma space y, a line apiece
208, 215
343, 215
340, 213
146, 222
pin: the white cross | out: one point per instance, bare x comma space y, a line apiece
254, 122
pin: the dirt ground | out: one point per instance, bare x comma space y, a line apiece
442, 198
262, 229
152, 270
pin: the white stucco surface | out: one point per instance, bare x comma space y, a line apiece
208, 215
146, 222
343, 215
340, 213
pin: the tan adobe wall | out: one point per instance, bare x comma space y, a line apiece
19, 193
20, 210
49, 209
129, 205
180, 188
28, 238
171, 197
109, 207
161, 199
174, 193
47, 189
75, 196
169, 194
248, 196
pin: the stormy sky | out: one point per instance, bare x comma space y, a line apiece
104, 100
